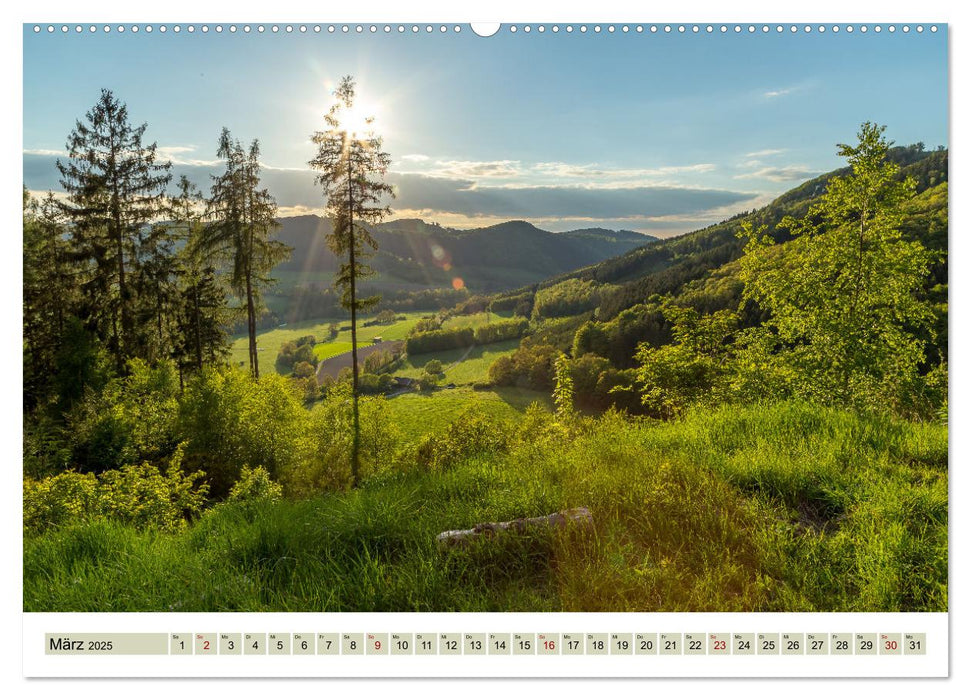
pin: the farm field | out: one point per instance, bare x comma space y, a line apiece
461, 366
270, 342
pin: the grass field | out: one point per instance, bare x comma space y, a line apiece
269, 342
761, 508
473, 368
420, 414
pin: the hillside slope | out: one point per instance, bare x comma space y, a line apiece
493, 258
665, 266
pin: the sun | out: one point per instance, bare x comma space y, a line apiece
359, 119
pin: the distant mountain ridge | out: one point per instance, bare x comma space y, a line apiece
493, 258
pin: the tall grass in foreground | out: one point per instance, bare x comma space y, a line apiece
781, 507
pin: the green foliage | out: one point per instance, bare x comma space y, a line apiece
385, 316
693, 369
520, 304
430, 323
303, 370
297, 352
843, 294
374, 383
563, 394
618, 339
498, 332
598, 385
137, 495
83, 364
433, 367
228, 420
321, 456
472, 433
254, 485
57, 500
568, 298
444, 339
133, 418
531, 366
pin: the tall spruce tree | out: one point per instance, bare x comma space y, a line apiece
241, 217
115, 187
201, 309
48, 289
351, 167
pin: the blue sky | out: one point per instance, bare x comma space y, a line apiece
661, 133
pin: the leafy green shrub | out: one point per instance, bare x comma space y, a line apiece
471, 433
130, 420
374, 383
139, 495
302, 370
143, 496
228, 420
433, 367
321, 458
255, 485
529, 367
57, 500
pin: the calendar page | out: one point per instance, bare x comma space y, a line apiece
523, 349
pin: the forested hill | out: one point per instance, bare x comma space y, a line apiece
494, 258
666, 266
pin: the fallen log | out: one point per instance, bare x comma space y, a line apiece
572, 516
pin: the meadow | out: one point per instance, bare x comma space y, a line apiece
781, 507
461, 366
269, 342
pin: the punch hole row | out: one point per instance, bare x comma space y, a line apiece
248, 29
455, 29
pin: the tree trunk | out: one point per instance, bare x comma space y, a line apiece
581, 517
122, 338
198, 324
254, 361
356, 443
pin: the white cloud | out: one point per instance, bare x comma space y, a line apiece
44, 152
595, 171
516, 174
473, 169
778, 93
766, 152
781, 174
